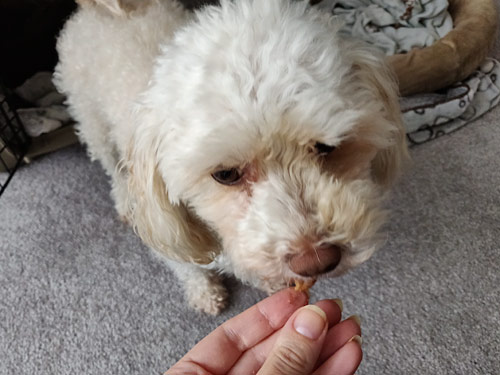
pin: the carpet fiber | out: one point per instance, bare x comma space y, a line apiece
79, 293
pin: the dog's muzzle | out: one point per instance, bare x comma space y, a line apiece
312, 263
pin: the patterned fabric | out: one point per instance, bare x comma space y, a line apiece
428, 116
396, 26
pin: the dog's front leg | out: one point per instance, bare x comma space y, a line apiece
203, 288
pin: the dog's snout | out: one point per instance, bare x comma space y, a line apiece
315, 261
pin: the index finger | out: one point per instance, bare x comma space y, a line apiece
218, 352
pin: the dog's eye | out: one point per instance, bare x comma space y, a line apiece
323, 149
227, 176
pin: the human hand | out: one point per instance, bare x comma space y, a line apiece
279, 335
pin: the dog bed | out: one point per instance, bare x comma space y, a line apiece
438, 50
455, 56
431, 44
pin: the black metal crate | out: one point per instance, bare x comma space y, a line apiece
13, 139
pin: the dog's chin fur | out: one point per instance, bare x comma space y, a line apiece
165, 98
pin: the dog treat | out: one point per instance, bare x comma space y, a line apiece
303, 285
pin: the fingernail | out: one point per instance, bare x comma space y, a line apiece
310, 322
339, 302
356, 318
356, 338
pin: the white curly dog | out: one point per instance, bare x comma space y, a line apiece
248, 138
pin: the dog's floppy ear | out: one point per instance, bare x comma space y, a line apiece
381, 80
168, 228
116, 7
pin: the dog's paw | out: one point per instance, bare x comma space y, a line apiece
210, 299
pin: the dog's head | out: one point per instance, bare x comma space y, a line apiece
269, 139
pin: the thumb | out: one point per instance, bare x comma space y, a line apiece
299, 343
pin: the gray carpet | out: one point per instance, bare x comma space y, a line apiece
79, 293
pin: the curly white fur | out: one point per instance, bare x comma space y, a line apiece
164, 98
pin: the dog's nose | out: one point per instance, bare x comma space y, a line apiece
316, 261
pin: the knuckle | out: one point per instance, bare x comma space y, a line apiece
291, 359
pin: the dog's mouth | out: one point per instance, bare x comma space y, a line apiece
302, 285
